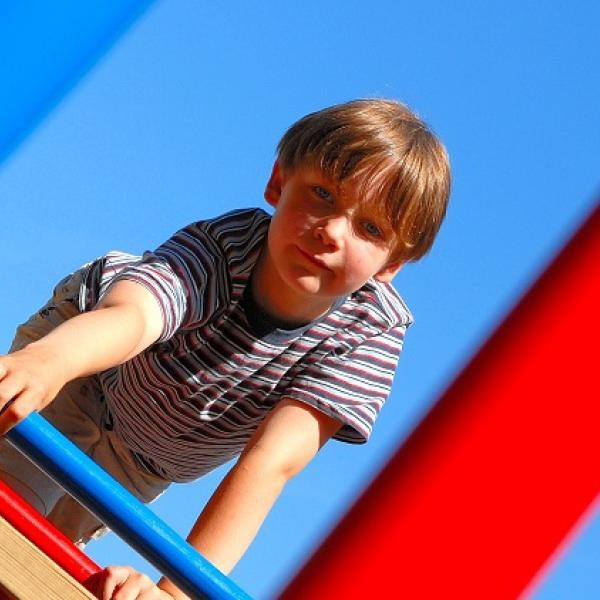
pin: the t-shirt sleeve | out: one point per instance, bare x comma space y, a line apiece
187, 275
149, 270
352, 386
156, 275
201, 269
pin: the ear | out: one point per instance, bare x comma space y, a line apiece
274, 185
387, 273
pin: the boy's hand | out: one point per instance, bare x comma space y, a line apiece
125, 323
125, 583
29, 380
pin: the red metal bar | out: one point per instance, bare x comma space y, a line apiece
45, 536
498, 474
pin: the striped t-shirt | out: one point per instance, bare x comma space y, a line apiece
192, 400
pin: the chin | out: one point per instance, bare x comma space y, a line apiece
310, 288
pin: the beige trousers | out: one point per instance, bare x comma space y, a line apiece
78, 411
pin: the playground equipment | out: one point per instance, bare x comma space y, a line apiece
498, 475
121, 511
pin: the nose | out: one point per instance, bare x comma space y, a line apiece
331, 231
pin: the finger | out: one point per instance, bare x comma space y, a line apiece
95, 582
133, 587
3, 368
128, 591
10, 388
152, 594
17, 410
8, 392
112, 578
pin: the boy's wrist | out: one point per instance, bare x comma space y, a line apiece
55, 362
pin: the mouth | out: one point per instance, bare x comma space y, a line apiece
313, 259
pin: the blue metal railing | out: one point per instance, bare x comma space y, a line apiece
121, 511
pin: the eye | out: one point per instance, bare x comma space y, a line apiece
323, 193
372, 229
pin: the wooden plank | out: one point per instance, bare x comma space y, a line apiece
42, 534
26, 573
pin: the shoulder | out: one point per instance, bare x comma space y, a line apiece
105, 267
234, 232
97, 275
239, 223
380, 306
230, 236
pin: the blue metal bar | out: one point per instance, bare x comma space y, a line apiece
121, 511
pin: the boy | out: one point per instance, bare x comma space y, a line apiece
241, 335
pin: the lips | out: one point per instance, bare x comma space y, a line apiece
313, 259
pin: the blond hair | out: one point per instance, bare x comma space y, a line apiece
402, 167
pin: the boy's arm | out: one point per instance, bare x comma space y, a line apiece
282, 446
124, 323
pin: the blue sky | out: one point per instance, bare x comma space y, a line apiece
178, 120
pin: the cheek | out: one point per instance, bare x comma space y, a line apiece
364, 261
357, 264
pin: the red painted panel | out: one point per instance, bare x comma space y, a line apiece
486, 488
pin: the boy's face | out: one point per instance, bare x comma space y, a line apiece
322, 242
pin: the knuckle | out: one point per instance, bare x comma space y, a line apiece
6, 393
113, 572
16, 412
5, 362
36, 388
108, 571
